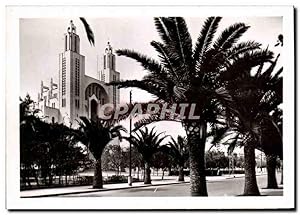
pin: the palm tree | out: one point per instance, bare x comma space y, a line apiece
254, 99
96, 134
272, 146
192, 75
178, 150
147, 143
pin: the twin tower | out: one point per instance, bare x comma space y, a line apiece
77, 94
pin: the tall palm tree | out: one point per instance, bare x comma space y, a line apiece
178, 150
96, 134
255, 98
192, 75
147, 143
272, 145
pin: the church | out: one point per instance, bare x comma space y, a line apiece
77, 94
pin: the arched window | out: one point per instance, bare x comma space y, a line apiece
97, 90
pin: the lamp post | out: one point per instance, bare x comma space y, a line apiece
130, 129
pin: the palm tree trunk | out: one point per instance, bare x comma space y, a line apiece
281, 164
271, 170
250, 188
147, 179
143, 172
98, 182
196, 133
169, 170
180, 174
138, 173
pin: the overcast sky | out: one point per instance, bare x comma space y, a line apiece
41, 41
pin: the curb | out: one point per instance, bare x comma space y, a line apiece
242, 176
102, 190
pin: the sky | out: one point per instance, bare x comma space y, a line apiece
41, 41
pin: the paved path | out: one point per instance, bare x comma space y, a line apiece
217, 186
225, 187
88, 189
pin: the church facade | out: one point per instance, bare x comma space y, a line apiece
77, 94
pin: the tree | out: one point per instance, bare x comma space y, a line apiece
178, 150
192, 75
160, 160
66, 155
272, 135
46, 150
96, 134
271, 145
254, 99
114, 158
136, 160
28, 152
147, 143
216, 159
238, 161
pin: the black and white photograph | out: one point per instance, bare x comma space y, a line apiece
140, 107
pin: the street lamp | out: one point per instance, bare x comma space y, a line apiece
130, 129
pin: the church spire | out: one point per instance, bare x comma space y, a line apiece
72, 27
109, 57
72, 41
108, 49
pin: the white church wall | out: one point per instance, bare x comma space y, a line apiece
51, 115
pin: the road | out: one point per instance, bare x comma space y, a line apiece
226, 187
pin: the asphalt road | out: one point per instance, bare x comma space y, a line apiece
226, 187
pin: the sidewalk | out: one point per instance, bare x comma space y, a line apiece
156, 181
47, 192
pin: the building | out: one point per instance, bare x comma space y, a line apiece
76, 93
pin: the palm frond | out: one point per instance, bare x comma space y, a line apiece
162, 30
265, 76
88, 30
148, 63
243, 65
180, 44
184, 40
205, 38
230, 36
147, 142
167, 59
235, 141
218, 134
241, 48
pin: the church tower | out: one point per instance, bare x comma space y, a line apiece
71, 77
110, 74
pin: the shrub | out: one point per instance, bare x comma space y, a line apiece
116, 179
